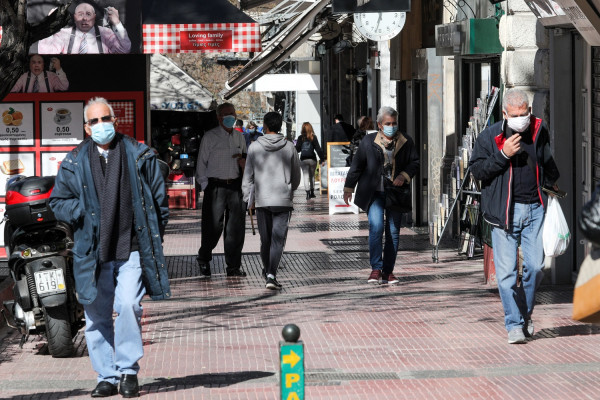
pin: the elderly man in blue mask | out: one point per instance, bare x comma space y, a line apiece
111, 191
219, 171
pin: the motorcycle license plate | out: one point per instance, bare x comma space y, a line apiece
50, 281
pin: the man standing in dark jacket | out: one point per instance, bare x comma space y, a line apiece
340, 130
512, 158
386, 161
111, 191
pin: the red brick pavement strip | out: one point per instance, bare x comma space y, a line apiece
437, 335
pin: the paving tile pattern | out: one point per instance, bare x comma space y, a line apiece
437, 335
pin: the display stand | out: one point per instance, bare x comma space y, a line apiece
462, 196
470, 217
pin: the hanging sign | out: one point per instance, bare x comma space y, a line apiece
198, 40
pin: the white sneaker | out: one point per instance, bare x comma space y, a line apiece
516, 336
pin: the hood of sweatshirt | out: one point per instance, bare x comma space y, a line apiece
272, 142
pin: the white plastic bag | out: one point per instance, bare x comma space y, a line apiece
556, 235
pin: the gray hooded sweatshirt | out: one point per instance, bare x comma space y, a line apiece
272, 172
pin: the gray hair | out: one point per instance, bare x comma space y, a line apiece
97, 100
515, 98
385, 110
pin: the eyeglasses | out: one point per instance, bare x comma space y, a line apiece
94, 121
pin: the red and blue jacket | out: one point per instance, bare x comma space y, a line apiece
495, 171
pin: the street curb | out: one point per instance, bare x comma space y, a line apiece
6, 293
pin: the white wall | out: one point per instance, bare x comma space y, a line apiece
307, 110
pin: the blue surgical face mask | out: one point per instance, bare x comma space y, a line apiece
103, 132
390, 130
229, 121
251, 130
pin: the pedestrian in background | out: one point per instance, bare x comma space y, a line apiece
272, 174
340, 131
307, 144
239, 126
513, 161
251, 133
385, 160
219, 171
364, 124
110, 189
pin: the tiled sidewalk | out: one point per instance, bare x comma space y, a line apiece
437, 335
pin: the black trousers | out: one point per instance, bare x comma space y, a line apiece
273, 229
223, 211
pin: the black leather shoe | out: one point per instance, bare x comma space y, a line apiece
129, 386
236, 272
204, 268
104, 389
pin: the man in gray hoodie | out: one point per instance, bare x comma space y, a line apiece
272, 174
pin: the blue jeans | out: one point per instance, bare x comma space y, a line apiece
115, 349
393, 218
518, 302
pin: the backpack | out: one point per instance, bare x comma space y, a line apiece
307, 150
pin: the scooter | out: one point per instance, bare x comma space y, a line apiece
41, 265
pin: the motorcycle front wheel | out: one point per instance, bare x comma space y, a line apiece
58, 331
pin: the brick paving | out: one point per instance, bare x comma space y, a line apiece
437, 335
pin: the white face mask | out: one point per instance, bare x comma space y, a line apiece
519, 124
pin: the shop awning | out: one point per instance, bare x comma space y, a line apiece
172, 89
192, 26
279, 49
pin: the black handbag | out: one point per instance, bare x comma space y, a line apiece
397, 198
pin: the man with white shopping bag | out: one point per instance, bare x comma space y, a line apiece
512, 158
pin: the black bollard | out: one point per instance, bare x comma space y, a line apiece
290, 333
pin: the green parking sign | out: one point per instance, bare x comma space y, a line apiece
291, 360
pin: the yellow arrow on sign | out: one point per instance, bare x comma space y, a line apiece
291, 358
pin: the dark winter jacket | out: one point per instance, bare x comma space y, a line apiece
589, 219
74, 200
495, 171
367, 167
340, 132
316, 147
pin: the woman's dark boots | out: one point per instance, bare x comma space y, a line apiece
312, 193
308, 195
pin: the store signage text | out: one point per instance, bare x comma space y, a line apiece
195, 40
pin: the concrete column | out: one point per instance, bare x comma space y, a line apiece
525, 59
387, 86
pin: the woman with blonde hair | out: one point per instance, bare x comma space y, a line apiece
306, 145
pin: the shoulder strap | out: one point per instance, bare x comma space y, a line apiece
98, 39
71, 41
27, 82
47, 83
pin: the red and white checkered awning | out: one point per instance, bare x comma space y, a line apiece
201, 38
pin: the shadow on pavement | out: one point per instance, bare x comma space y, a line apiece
66, 394
205, 380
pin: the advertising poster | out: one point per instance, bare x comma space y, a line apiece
12, 164
62, 123
125, 114
17, 127
96, 27
51, 162
2, 210
335, 191
337, 170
